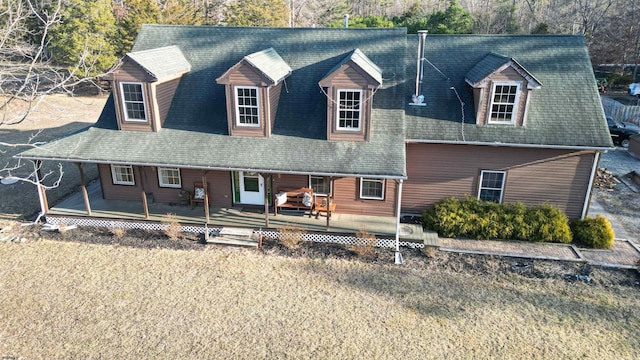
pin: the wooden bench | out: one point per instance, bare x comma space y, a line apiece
295, 200
321, 207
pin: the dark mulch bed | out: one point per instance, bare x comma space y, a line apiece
414, 259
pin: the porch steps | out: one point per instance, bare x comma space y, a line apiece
415, 233
235, 237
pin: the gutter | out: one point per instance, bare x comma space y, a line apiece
264, 171
500, 144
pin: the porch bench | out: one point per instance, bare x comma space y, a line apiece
295, 199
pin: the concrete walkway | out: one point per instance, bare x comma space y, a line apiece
624, 254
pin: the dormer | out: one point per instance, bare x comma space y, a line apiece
502, 90
253, 87
143, 85
349, 87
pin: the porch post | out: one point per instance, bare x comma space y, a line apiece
144, 193
267, 180
42, 195
83, 186
399, 203
206, 196
329, 195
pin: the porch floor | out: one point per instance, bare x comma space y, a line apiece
252, 217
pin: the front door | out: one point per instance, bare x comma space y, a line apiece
251, 188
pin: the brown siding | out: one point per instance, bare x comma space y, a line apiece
274, 99
219, 181
534, 176
130, 71
346, 193
164, 97
289, 181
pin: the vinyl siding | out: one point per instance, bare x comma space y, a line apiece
534, 176
219, 185
164, 96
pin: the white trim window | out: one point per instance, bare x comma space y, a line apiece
247, 106
133, 102
491, 185
122, 175
169, 177
349, 110
372, 189
504, 102
320, 185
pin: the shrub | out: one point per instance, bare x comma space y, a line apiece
367, 244
291, 236
172, 228
479, 219
595, 232
547, 224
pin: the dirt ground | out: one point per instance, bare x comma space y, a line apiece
53, 117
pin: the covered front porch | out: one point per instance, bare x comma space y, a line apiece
247, 216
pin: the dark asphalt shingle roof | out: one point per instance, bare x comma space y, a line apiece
565, 112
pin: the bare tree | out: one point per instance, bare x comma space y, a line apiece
27, 76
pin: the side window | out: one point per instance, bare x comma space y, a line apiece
491, 185
372, 189
169, 177
122, 175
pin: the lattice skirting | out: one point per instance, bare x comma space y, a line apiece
319, 237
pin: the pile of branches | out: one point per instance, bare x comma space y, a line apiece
605, 180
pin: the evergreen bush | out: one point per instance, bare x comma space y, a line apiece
595, 232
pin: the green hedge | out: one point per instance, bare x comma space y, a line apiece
595, 232
477, 219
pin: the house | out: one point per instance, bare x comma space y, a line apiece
376, 121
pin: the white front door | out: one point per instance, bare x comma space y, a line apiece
251, 188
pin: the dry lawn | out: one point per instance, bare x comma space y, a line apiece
55, 116
79, 300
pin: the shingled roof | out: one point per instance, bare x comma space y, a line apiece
161, 62
565, 113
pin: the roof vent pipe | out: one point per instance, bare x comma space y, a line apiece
418, 97
346, 21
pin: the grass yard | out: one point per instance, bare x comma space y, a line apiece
78, 300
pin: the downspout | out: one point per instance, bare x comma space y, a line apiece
398, 254
587, 198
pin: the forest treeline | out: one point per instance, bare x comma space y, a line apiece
88, 36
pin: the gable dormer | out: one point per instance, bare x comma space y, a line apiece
502, 89
143, 85
349, 87
253, 87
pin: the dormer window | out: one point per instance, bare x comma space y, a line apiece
504, 103
133, 100
349, 112
349, 87
253, 86
502, 90
247, 109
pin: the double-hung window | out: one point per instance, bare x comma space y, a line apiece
169, 177
122, 175
372, 189
133, 101
349, 109
504, 103
247, 111
491, 185
320, 185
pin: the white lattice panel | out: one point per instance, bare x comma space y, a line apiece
314, 237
